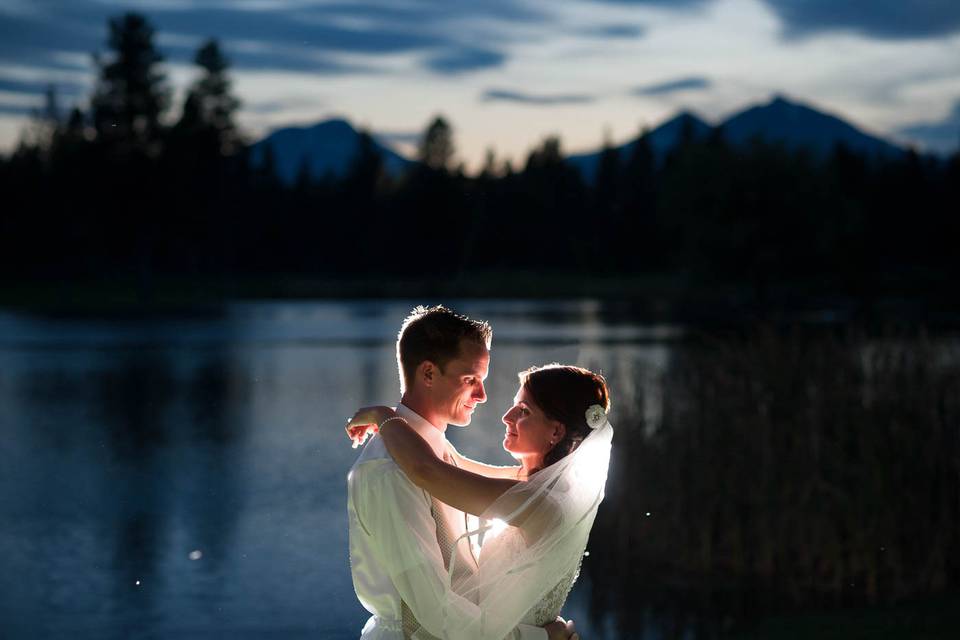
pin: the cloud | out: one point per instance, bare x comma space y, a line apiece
251, 56
620, 31
399, 137
40, 38
463, 60
279, 104
939, 137
33, 87
302, 29
691, 83
506, 95
679, 4
425, 12
293, 35
322, 38
17, 110
886, 19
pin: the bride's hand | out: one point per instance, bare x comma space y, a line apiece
561, 629
364, 422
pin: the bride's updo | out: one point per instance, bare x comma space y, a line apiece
564, 393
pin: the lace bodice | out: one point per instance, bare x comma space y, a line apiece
549, 606
511, 542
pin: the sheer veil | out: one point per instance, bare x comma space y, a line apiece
551, 515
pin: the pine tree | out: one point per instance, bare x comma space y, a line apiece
606, 206
366, 171
640, 241
436, 148
608, 178
131, 95
40, 134
210, 106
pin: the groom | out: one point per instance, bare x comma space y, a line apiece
401, 539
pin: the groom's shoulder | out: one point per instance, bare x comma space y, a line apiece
374, 460
373, 450
376, 464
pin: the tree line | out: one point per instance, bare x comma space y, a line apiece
123, 188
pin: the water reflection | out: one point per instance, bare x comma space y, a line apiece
134, 398
120, 463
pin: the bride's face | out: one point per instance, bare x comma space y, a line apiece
529, 431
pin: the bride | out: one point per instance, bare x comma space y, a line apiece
536, 517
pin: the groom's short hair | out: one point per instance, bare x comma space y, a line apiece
435, 334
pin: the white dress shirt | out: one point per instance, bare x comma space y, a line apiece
394, 554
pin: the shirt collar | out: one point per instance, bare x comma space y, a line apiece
434, 436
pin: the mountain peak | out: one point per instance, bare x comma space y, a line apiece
327, 147
796, 126
686, 115
334, 123
782, 120
661, 140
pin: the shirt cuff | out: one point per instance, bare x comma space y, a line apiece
530, 632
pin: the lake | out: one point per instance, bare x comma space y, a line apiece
184, 476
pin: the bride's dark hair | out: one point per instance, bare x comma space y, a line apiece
564, 393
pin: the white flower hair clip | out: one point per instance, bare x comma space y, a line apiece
596, 416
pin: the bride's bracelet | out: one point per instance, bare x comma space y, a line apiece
391, 418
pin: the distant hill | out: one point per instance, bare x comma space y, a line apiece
662, 140
797, 126
328, 147
794, 125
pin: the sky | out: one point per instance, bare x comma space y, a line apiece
508, 73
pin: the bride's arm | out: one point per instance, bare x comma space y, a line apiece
459, 488
463, 489
365, 421
484, 469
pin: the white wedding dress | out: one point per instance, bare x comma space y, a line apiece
526, 572
510, 543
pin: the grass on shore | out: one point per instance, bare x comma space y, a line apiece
930, 619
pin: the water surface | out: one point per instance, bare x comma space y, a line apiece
184, 477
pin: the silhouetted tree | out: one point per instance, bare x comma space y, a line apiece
550, 200
366, 169
199, 162
639, 245
131, 95
44, 126
608, 178
75, 129
489, 169
210, 106
436, 149
606, 204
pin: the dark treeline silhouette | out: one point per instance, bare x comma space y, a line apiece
124, 189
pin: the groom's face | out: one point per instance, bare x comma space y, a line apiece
459, 388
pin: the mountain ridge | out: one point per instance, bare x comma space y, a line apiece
326, 148
780, 121
329, 146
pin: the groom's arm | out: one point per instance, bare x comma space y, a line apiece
397, 516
